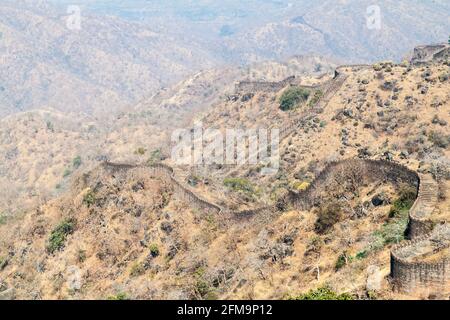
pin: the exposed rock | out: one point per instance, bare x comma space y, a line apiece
8, 294
167, 227
374, 279
380, 200
247, 97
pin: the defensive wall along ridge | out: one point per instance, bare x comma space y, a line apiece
419, 263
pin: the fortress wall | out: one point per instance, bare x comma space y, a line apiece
266, 211
420, 223
443, 54
364, 171
354, 67
181, 192
329, 89
409, 277
257, 86
266, 86
418, 227
188, 196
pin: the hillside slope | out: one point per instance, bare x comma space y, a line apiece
39, 146
123, 231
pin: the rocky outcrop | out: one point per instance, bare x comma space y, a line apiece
425, 54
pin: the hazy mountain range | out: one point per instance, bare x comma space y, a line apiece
126, 50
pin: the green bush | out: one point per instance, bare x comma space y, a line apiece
343, 260
137, 269
362, 254
393, 231
119, 296
202, 287
327, 217
140, 151
318, 94
404, 202
59, 234
81, 256
76, 162
193, 180
154, 250
155, 157
377, 67
2, 218
292, 97
323, 293
50, 126
239, 184
89, 198
67, 172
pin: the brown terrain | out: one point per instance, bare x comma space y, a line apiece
39, 146
362, 169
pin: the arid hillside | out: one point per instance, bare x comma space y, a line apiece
39, 147
385, 111
123, 231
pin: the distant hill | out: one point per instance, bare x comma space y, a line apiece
339, 29
107, 64
248, 31
124, 52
